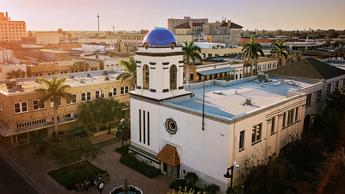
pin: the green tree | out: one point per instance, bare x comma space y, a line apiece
250, 52
16, 74
191, 55
101, 112
123, 131
280, 52
53, 90
130, 70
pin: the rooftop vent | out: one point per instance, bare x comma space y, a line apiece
248, 101
218, 92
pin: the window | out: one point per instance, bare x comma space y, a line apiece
148, 128
113, 92
72, 100
139, 125
284, 120
86, 96
21, 107
319, 96
296, 114
308, 102
328, 90
273, 123
124, 89
146, 77
36, 105
336, 85
256, 133
173, 77
290, 116
241, 142
98, 94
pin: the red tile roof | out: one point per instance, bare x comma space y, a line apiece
169, 155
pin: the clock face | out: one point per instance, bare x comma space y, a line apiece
171, 126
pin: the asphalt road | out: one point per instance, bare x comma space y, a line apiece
11, 182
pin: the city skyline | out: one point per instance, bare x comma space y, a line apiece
131, 15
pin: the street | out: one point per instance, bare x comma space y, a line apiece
11, 182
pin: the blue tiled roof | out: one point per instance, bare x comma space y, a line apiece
159, 37
214, 71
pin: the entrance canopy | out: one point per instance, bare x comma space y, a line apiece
169, 155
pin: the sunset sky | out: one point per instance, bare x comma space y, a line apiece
145, 14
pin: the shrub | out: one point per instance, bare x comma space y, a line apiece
211, 189
122, 150
145, 169
179, 184
191, 178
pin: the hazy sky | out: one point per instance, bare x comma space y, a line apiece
145, 14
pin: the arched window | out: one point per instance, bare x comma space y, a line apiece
173, 77
146, 77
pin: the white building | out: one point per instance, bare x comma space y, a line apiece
43, 38
209, 128
6, 56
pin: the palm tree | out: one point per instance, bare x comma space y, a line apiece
250, 53
16, 74
191, 55
53, 90
130, 70
280, 52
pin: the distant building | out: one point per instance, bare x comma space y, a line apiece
189, 29
6, 56
21, 116
209, 50
11, 31
47, 37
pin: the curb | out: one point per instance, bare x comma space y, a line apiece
30, 181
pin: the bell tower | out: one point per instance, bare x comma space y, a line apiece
159, 66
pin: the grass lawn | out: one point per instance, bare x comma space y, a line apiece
69, 175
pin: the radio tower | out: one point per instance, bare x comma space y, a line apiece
98, 22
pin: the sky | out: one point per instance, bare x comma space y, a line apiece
146, 14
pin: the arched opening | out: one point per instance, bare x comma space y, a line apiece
173, 77
146, 77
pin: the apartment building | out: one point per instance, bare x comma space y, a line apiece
21, 116
201, 30
11, 31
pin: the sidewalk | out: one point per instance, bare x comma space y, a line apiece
37, 166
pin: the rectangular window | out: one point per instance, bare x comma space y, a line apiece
114, 92
273, 123
308, 101
328, 92
88, 96
36, 105
256, 133
98, 94
144, 129
336, 85
124, 89
241, 142
20, 107
284, 120
148, 128
139, 125
83, 97
296, 114
319, 96
72, 99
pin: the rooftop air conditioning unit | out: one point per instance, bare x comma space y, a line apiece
248, 101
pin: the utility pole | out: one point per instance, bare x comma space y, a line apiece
98, 22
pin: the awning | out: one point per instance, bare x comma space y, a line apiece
169, 155
215, 71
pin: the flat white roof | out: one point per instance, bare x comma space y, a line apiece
228, 102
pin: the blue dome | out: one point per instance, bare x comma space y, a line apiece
159, 37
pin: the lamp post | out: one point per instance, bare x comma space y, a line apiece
230, 175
